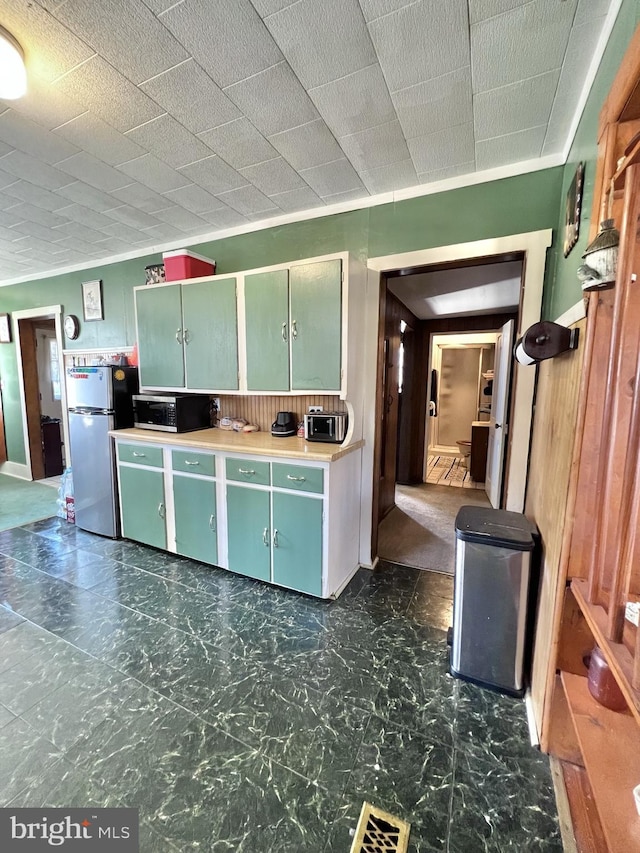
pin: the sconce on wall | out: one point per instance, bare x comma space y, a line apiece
13, 74
601, 259
544, 340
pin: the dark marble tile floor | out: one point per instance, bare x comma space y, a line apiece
241, 717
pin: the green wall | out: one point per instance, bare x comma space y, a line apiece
563, 287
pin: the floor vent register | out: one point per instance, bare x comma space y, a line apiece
380, 832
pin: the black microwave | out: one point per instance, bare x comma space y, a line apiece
171, 412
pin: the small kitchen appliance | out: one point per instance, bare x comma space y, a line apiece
172, 412
284, 424
326, 426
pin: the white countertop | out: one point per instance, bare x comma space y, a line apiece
260, 443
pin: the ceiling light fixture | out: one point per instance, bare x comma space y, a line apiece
13, 74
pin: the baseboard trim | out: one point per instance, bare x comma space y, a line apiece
16, 469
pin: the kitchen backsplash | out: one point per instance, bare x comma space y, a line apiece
262, 410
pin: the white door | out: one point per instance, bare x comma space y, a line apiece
499, 411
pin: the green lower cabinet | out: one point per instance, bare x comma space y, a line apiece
248, 531
143, 505
297, 540
195, 518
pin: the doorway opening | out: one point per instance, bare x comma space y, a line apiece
448, 332
41, 379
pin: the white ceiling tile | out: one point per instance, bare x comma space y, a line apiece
514, 107
9, 234
158, 6
372, 9
330, 178
84, 215
268, 7
169, 141
77, 244
50, 48
87, 168
479, 10
7, 216
77, 229
512, 148
349, 195
214, 175
273, 176
89, 196
162, 231
395, 176
273, 100
126, 33
442, 149
24, 210
300, 28
590, 10
183, 219
303, 198
137, 195
153, 173
33, 229
225, 218
447, 172
125, 232
4, 148
95, 136
107, 93
435, 104
24, 191
377, 146
229, 40
547, 24
188, 93
309, 145
239, 143
421, 41
21, 165
114, 246
44, 105
247, 200
131, 216
355, 102
194, 198
25, 135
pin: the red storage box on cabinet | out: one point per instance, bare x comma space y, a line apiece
183, 264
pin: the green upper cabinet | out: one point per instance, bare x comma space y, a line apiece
211, 334
160, 349
267, 325
316, 329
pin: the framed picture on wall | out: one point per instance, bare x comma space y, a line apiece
92, 300
574, 206
5, 329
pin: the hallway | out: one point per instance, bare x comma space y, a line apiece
420, 530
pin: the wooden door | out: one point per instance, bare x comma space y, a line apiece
266, 298
389, 419
210, 332
499, 413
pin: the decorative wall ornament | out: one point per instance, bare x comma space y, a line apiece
5, 329
601, 259
574, 206
92, 300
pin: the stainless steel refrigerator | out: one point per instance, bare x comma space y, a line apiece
99, 400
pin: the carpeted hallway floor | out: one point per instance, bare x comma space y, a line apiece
419, 531
23, 501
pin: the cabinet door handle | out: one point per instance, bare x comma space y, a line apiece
265, 536
185, 336
294, 330
187, 462
161, 510
179, 335
296, 479
138, 455
249, 471
275, 538
284, 332
212, 523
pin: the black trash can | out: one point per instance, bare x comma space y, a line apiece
495, 581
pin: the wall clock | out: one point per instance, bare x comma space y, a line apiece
71, 326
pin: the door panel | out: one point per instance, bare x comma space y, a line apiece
143, 506
297, 542
195, 517
211, 334
249, 531
499, 412
316, 326
159, 321
267, 322
93, 473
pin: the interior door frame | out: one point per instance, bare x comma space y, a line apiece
534, 245
48, 312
